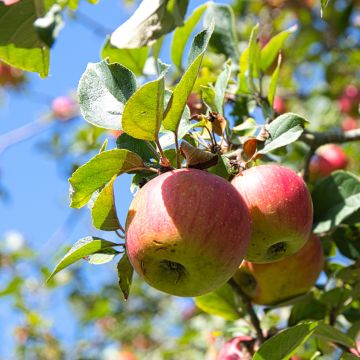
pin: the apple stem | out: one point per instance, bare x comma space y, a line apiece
250, 310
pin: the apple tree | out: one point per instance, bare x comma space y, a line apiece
239, 127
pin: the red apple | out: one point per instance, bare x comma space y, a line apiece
194, 103
349, 99
327, 159
279, 105
10, 76
238, 348
187, 232
349, 124
281, 210
64, 108
270, 284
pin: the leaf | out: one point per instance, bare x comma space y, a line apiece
143, 112
84, 247
330, 211
208, 97
347, 240
310, 309
329, 333
102, 257
253, 57
272, 48
220, 88
98, 171
286, 342
182, 34
273, 82
149, 22
224, 39
49, 26
183, 89
223, 168
284, 130
103, 211
246, 128
145, 149
197, 158
133, 59
220, 302
323, 6
12, 287
348, 356
20, 45
103, 91
125, 274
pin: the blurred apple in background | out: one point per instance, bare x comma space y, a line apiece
10, 76
238, 348
281, 210
270, 284
64, 108
349, 100
349, 124
327, 159
194, 103
279, 105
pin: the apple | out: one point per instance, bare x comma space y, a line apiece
279, 105
349, 99
349, 124
281, 210
9, 2
327, 159
10, 76
270, 284
194, 103
64, 108
126, 355
187, 232
238, 348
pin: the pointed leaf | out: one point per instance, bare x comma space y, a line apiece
102, 257
150, 21
98, 171
183, 89
143, 112
220, 88
272, 48
182, 34
273, 82
285, 343
329, 333
330, 211
84, 247
220, 302
125, 274
103, 212
133, 59
103, 91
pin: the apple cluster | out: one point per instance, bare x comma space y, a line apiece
188, 232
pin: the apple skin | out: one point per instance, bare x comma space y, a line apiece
281, 209
349, 100
237, 349
279, 105
327, 159
270, 284
187, 232
349, 124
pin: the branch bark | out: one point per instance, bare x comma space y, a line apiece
249, 309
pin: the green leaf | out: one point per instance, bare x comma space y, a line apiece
254, 57
220, 88
49, 26
223, 168
272, 48
331, 334
208, 96
224, 39
103, 211
20, 45
246, 128
12, 287
102, 257
98, 171
310, 309
103, 91
143, 112
133, 59
84, 247
183, 89
125, 274
273, 82
145, 149
284, 130
182, 34
323, 6
220, 302
347, 240
348, 356
285, 343
330, 211
150, 21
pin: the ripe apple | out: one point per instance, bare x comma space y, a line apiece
281, 210
270, 284
327, 159
279, 105
349, 99
238, 348
10, 76
187, 232
64, 108
349, 124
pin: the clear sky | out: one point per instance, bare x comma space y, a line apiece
37, 185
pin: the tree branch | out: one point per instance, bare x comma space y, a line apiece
250, 310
